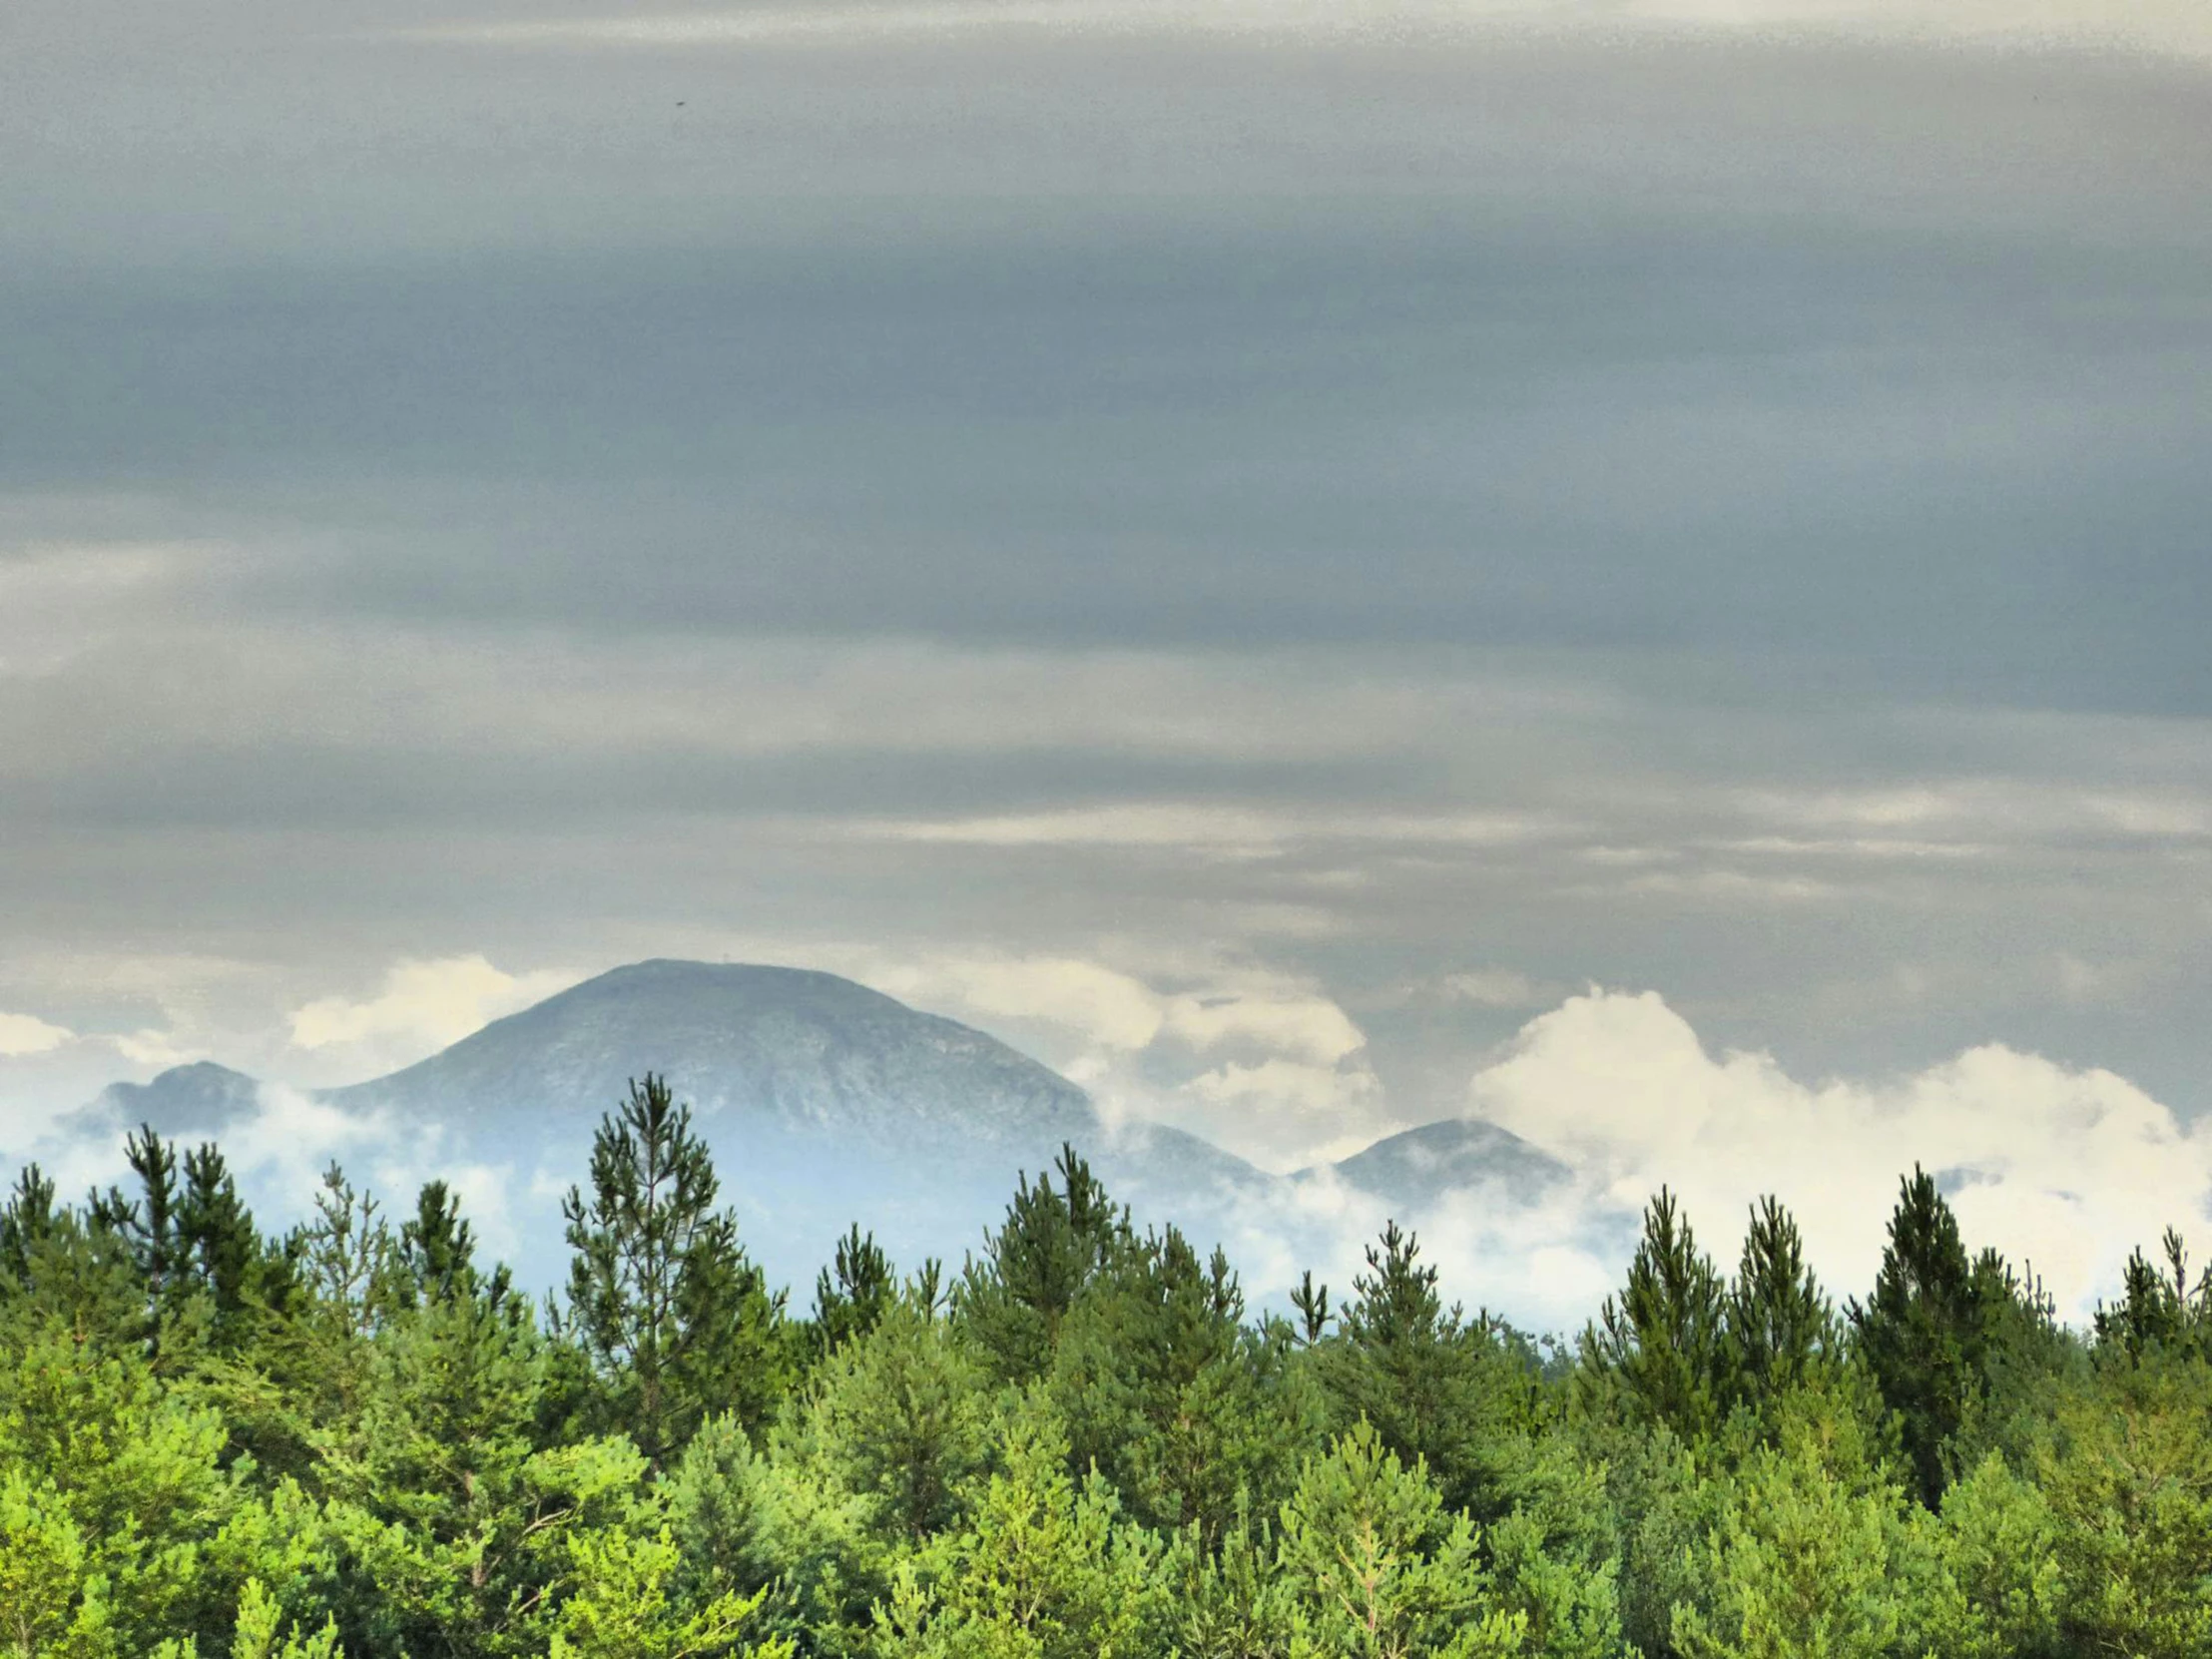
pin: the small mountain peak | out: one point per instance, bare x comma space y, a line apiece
197, 1098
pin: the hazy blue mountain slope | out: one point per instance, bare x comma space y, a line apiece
197, 1100
806, 1053
824, 1103
1421, 1166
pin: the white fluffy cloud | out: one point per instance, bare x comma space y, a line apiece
422, 1006
2063, 1169
1313, 1113
1258, 1062
1108, 1008
22, 1034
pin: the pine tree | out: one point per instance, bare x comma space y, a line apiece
1780, 1325
1922, 1331
148, 1224
346, 1255
26, 1223
1381, 1569
1438, 1386
851, 1294
676, 1320
1054, 1241
192, 1242
1310, 1302
1659, 1350
220, 1246
1168, 1394
2160, 1310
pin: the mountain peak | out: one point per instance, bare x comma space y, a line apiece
196, 1099
790, 1050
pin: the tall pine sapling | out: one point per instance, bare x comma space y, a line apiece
1659, 1350
1780, 1325
852, 1292
1921, 1333
673, 1317
1053, 1243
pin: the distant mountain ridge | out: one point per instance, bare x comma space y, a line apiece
201, 1098
824, 1102
1419, 1165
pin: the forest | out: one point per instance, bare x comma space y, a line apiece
360, 1439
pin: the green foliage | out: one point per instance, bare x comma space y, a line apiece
851, 1294
2161, 1309
1011, 1300
1434, 1386
2126, 1469
358, 1440
1780, 1328
2005, 1593
1044, 1569
1378, 1568
676, 1321
1659, 1352
1168, 1394
1924, 1334
619, 1605
1812, 1550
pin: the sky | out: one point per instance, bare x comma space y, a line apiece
1638, 570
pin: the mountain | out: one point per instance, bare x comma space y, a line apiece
776, 1049
199, 1099
1422, 1167
823, 1102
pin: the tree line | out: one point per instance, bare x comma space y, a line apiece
360, 1438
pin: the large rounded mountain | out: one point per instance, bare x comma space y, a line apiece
773, 1051
823, 1102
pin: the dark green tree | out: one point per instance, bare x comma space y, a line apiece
677, 1323
1780, 1325
220, 1246
1166, 1390
1922, 1331
148, 1224
1310, 1302
27, 1223
1439, 1388
851, 1294
1011, 1300
1659, 1351
60, 1268
2161, 1309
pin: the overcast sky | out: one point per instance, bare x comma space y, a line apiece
1254, 550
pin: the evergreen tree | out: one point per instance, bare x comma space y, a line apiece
2160, 1310
219, 1246
1380, 1568
346, 1255
1045, 1569
1168, 1394
148, 1224
675, 1321
1780, 1326
851, 1294
1054, 1241
1438, 1386
1310, 1302
436, 1254
27, 1223
1659, 1352
1923, 1333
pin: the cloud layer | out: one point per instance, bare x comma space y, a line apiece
1252, 548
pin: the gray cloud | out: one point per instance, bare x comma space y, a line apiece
1361, 502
